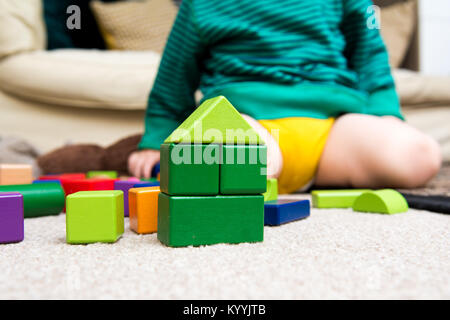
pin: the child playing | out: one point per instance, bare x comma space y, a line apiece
312, 69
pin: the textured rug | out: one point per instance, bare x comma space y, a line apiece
334, 254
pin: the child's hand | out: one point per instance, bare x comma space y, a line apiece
141, 163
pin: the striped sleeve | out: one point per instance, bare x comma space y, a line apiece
172, 97
367, 56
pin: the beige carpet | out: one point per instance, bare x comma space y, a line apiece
334, 254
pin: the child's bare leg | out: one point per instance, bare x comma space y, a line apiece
375, 152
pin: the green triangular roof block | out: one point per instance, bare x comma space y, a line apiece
386, 201
215, 121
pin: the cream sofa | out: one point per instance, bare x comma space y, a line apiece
51, 98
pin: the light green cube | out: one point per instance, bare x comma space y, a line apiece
94, 216
102, 174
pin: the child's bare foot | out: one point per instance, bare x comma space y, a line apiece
376, 152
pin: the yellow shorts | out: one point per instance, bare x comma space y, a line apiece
301, 141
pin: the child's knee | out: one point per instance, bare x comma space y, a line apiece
419, 160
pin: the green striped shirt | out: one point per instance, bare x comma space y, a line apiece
272, 59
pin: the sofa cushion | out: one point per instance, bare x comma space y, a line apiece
59, 36
398, 23
82, 78
135, 25
21, 26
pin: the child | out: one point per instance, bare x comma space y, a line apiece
313, 69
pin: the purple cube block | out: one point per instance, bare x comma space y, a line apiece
124, 186
11, 217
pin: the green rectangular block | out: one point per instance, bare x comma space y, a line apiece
272, 190
190, 169
244, 169
102, 174
186, 221
335, 198
94, 216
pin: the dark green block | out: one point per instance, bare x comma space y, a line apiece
185, 221
190, 169
40, 199
244, 169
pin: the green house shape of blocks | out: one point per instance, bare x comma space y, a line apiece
94, 216
213, 175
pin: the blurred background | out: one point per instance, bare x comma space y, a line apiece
82, 74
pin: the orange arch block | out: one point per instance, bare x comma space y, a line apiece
143, 204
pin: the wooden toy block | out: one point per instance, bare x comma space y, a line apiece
72, 186
94, 216
124, 186
11, 217
67, 176
272, 190
146, 184
41, 199
335, 198
283, 211
15, 174
144, 209
47, 181
190, 169
244, 170
156, 169
102, 174
385, 201
186, 221
215, 121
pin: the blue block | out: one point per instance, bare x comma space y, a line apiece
283, 211
146, 184
156, 170
47, 181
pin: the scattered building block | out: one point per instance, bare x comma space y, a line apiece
47, 181
335, 198
144, 209
146, 184
215, 121
283, 211
94, 216
385, 201
244, 170
156, 169
185, 221
124, 186
72, 186
11, 217
67, 176
15, 174
102, 174
272, 190
190, 169
41, 199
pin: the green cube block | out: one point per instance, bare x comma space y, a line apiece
335, 198
94, 216
185, 221
244, 169
190, 169
102, 174
272, 190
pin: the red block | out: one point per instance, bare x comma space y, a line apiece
70, 176
72, 186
